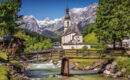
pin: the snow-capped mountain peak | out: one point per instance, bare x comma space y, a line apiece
82, 16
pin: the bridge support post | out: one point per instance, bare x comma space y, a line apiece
65, 67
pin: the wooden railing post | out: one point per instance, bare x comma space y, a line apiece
88, 53
64, 53
100, 54
51, 55
65, 67
60, 53
37, 56
76, 52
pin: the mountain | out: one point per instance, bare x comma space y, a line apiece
30, 23
54, 28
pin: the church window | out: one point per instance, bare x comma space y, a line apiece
67, 23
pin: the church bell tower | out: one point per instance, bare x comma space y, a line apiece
67, 20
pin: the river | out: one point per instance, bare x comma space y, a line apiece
48, 71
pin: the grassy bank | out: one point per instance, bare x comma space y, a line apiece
3, 57
5, 74
123, 62
87, 77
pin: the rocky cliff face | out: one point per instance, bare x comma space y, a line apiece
82, 16
30, 23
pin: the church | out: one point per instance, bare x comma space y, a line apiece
71, 37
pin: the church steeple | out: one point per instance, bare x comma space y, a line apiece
67, 16
67, 20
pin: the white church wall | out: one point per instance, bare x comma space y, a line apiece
79, 39
67, 38
67, 23
79, 46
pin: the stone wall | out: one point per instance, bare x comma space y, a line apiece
78, 46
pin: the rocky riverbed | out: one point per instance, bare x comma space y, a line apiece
105, 68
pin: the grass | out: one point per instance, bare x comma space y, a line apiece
87, 77
90, 38
3, 73
123, 62
87, 62
3, 57
90, 77
84, 62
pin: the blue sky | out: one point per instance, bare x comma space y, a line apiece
51, 8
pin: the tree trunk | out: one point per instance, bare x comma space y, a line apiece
114, 45
121, 44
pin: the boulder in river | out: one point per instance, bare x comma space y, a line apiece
108, 67
107, 72
118, 74
128, 76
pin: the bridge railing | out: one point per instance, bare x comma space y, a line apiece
98, 53
60, 53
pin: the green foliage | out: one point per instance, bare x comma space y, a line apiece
34, 41
90, 38
8, 15
3, 57
101, 46
112, 21
3, 73
89, 29
1, 32
123, 63
83, 62
40, 45
84, 48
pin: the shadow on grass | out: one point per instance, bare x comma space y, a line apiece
2, 60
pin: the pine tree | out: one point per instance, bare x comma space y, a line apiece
8, 15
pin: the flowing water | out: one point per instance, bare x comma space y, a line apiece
48, 71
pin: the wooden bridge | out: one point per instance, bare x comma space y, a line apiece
65, 55
58, 54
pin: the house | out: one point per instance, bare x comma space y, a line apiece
11, 43
126, 43
72, 37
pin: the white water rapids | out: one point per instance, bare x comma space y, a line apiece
38, 71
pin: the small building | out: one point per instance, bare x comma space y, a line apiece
56, 45
72, 37
126, 43
12, 43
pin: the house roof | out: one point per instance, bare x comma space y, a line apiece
73, 29
8, 38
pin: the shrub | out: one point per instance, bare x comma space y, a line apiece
90, 38
123, 63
